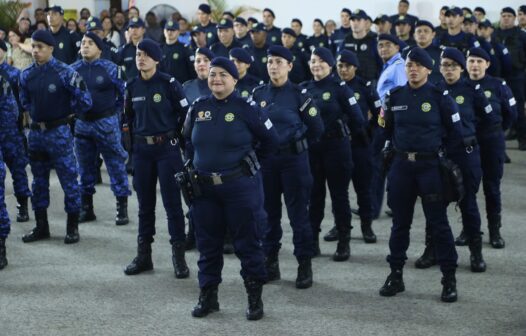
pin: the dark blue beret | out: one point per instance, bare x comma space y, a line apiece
44, 36
226, 64
522, 9
455, 55
347, 10
239, 19
297, 21
171, 25
420, 56
508, 10
479, 52
289, 31
151, 48
258, 27
270, 11
359, 14
325, 54
456, 11
480, 9
96, 39
390, 38
280, 51
485, 23
205, 51
241, 55
420, 23
57, 9
347, 56
252, 20
319, 21
225, 24
94, 24
205, 8
3, 46
136, 23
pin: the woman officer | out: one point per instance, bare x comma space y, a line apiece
220, 132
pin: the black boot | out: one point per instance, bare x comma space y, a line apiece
316, 244
207, 302
23, 213
304, 278
393, 284
343, 249
332, 235
494, 224
180, 268
72, 229
228, 247
272, 266
3, 258
477, 262
255, 304
367, 232
143, 261
190, 236
122, 211
428, 258
449, 288
86, 211
41, 230
461, 240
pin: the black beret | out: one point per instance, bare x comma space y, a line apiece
508, 10
226, 64
205, 8
205, 51
3, 46
347, 10
57, 9
229, 13
420, 23
225, 24
347, 56
390, 38
280, 51
480, 9
467, 9
241, 55
94, 24
297, 21
136, 23
420, 56
325, 54
171, 25
239, 19
252, 20
151, 48
44, 36
319, 21
522, 9
485, 23
289, 31
270, 11
444, 8
479, 52
404, 1
455, 55
96, 39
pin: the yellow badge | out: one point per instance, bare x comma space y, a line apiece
157, 97
264, 60
229, 117
175, 56
426, 107
487, 93
244, 94
357, 96
263, 103
459, 100
201, 114
326, 96
209, 35
61, 45
313, 111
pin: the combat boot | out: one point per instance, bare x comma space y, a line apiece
143, 261
72, 229
316, 245
343, 249
23, 213
332, 235
255, 304
461, 240
494, 224
449, 288
86, 211
41, 230
3, 258
190, 236
428, 258
122, 211
207, 302
304, 278
478, 265
180, 268
272, 266
393, 284
367, 231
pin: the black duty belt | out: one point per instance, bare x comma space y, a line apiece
497, 128
295, 147
155, 139
217, 179
90, 116
417, 156
47, 125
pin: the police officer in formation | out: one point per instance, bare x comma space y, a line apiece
98, 130
273, 32
109, 51
298, 123
67, 43
177, 59
206, 24
318, 39
198, 87
258, 50
424, 35
220, 131
127, 51
455, 37
241, 32
247, 82
155, 108
52, 91
225, 34
300, 64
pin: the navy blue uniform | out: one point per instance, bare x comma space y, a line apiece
259, 67
245, 41
247, 84
274, 36
196, 88
211, 33
67, 45
434, 52
297, 122
462, 41
367, 53
6, 99
337, 38
331, 158
155, 109
127, 60
314, 42
301, 42
219, 134
219, 49
300, 66
178, 62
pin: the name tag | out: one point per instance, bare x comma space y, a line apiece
136, 99
399, 108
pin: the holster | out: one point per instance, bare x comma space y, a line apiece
188, 183
453, 183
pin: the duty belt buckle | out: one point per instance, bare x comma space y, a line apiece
216, 179
411, 156
42, 126
150, 140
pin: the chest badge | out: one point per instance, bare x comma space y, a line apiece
363, 47
426, 107
487, 93
459, 100
204, 115
244, 94
209, 35
264, 60
313, 111
229, 117
175, 56
263, 103
52, 88
357, 96
99, 80
157, 98
326, 96
61, 45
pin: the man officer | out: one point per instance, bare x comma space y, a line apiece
67, 42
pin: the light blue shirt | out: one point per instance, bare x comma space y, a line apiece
393, 75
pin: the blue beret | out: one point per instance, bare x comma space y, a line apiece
479, 52
508, 10
226, 64
359, 14
151, 48
280, 51
239, 19
3, 46
297, 21
241, 55
96, 39
257, 27
205, 51
455, 55
289, 31
456, 11
171, 25
57, 9
347, 10
225, 24
420, 56
485, 23
270, 11
480, 9
205, 8
390, 38
136, 23
94, 24
382, 18
325, 54
420, 23
44, 36
347, 56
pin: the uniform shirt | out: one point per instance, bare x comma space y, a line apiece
515, 40
500, 58
67, 45
300, 66
12, 75
110, 52
411, 19
259, 66
274, 36
246, 85
211, 33
434, 52
418, 120
196, 88
462, 41
178, 62
105, 84
367, 98
336, 101
219, 49
337, 38
9, 109
53, 91
184, 38
220, 133
245, 41
367, 53
155, 106
393, 74
291, 110
314, 42
301, 42
502, 102
127, 59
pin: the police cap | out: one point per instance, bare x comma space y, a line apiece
289, 31
225, 24
239, 19
226, 64
136, 23
420, 56
57, 9
508, 10
280, 51
390, 38
171, 25
455, 11
421, 23
93, 24
258, 27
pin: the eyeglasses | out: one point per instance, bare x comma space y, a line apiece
449, 65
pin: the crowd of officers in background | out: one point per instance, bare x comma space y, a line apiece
368, 62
